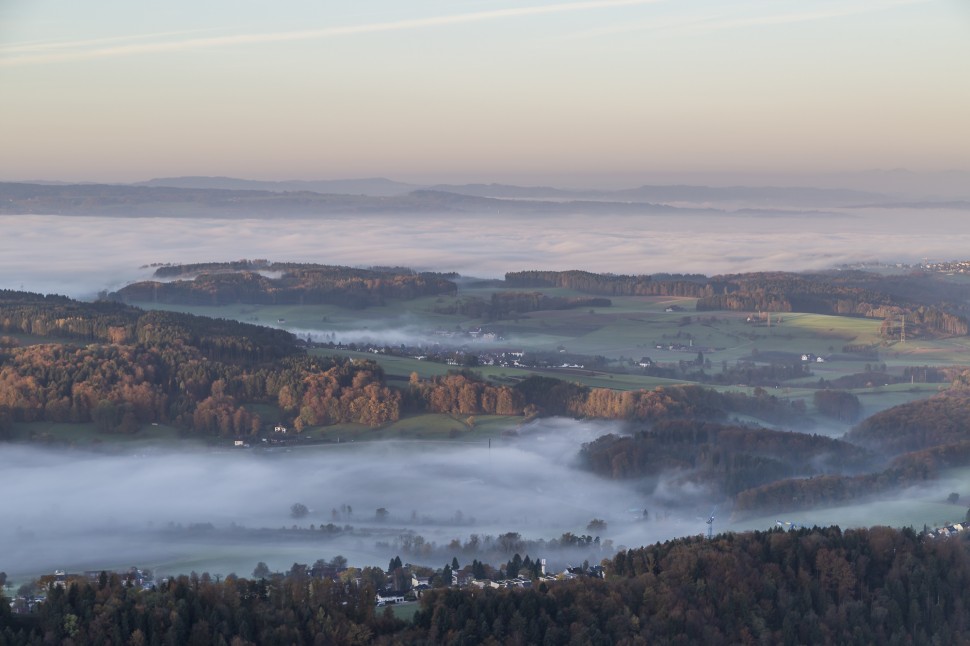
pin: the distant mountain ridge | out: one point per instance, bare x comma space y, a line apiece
378, 186
677, 193
163, 201
680, 193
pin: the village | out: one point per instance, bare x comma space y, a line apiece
403, 583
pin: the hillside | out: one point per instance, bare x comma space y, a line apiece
819, 586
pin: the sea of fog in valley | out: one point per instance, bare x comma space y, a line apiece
183, 511
79, 255
224, 511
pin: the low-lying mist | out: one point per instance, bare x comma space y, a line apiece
79, 256
387, 333
203, 510
225, 510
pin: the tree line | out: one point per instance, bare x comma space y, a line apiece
929, 305
729, 458
555, 397
122, 367
62, 318
939, 420
774, 471
876, 585
913, 442
504, 305
818, 586
122, 387
283, 284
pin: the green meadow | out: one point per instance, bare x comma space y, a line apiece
633, 328
430, 426
87, 435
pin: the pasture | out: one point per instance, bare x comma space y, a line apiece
431, 426
667, 330
87, 435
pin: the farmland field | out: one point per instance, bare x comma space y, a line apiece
668, 330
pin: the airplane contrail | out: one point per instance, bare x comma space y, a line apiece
82, 50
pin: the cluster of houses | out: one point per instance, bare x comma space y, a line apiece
947, 267
946, 531
421, 584
32, 596
453, 356
685, 347
459, 358
27, 602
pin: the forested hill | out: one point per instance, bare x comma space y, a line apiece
122, 367
915, 442
929, 304
767, 471
730, 459
941, 420
818, 586
110, 322
264, 283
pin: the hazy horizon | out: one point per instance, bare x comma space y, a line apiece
585, 91
81, 255
900, 183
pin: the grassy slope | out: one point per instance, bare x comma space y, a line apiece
87, 435
629, 330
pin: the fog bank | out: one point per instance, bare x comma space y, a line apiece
224, 511
75, 510
79, 256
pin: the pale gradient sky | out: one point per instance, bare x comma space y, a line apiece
480, 90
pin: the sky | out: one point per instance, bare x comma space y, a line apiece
481, 90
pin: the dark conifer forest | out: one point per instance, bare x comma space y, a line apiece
808, 586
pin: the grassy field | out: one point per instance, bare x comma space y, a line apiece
632, 328
404, 611
469, 428
87, 435
400, 369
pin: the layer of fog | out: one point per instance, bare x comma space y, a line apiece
390, 335
224, 511
76, 510
80, 256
